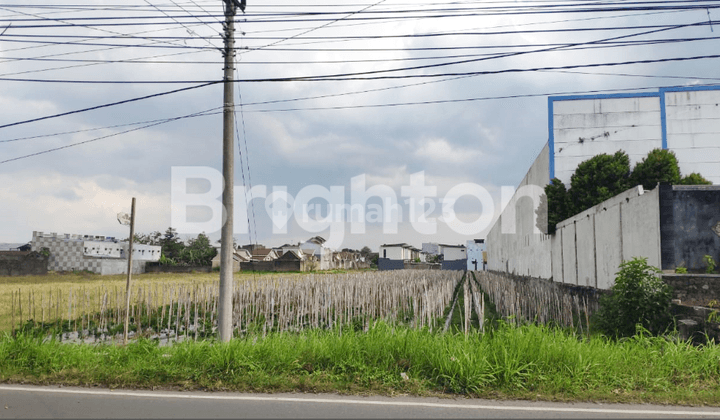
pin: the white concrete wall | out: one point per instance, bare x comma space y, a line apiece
583, 128
591, 245
103, 249
452, 254
110, 267
693, 131
513, 245
393, 253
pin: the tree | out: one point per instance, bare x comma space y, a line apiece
599, 178
559, 204
604, 176
659, 166
172, 245
638, 297
365, 251
199, 251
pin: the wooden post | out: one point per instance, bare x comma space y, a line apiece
129, 272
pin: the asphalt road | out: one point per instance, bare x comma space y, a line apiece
22, 401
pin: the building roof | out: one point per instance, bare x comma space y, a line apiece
318, 240
292, 254
263, 253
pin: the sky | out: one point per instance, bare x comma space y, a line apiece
435, 105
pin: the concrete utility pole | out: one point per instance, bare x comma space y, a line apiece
129, 272
225, 309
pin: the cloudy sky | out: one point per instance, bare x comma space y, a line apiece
329, 95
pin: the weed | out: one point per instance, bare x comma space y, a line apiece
710, 264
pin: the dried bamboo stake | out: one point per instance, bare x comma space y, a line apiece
466, 306
187, 314
162, 313
12, 312
177, 319
34, 307
170, 311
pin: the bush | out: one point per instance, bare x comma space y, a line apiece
638, 297
694, 179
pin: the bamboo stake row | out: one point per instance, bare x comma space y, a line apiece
536, 300
265, 303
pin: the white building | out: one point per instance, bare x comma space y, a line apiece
454, 257
476, 254
99, 254
316, 246
685, 120
401, 252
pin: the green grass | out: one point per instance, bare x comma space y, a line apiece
528, 362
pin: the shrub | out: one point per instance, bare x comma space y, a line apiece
709, 264
694, 179
638, 297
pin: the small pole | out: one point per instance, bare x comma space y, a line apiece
129, 272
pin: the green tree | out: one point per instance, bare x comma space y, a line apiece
659, 166
694, 179
599, 178
198, 251
172, 245
638, 297
559, 204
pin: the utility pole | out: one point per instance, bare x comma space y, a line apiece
129, 273
225, 309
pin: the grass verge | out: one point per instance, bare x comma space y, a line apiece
526, 362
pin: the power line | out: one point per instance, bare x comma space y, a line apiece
100, 138
155, 95
367, 74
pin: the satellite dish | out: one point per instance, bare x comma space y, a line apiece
123, 218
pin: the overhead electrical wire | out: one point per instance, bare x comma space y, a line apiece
67, 146
557, 7
93, 108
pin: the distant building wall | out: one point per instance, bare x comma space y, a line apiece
22, 263
454, 253
588, 125
258, 266
390, 264
99, 254
431, 248
289, 265
685, 120
692, 118
513, 243
689, 225
393, 253
454, 265
409, 265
